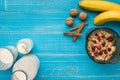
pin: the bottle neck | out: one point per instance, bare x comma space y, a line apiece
19, 75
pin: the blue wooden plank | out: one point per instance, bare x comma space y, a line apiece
78, 78
31, 5
44, 42
81, 70
2, 4
43, 21
28, 5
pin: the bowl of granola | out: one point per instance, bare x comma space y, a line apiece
101, 45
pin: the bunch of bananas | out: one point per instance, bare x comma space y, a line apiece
110, 11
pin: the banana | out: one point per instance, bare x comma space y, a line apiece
106, 17
99, 5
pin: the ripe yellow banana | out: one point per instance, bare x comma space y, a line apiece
99, 5
106, 17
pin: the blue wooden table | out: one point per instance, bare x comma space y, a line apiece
44, 22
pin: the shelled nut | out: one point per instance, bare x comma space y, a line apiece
69, 21
73, 12
83, 16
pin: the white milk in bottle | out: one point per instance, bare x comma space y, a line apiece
26, 68
24, 46
8, 55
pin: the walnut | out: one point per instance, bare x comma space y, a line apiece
69, 21
83, 15
73, 12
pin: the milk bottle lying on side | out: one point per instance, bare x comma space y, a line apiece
8, 55
26, 68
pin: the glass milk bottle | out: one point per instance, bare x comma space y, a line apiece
24, 46
26, 68
8, 55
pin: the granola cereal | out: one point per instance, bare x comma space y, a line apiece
101, 45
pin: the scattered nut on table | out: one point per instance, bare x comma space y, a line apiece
83, 16
73, 12
69, 21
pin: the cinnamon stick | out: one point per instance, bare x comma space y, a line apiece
74, 28
79, 28
72, 34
